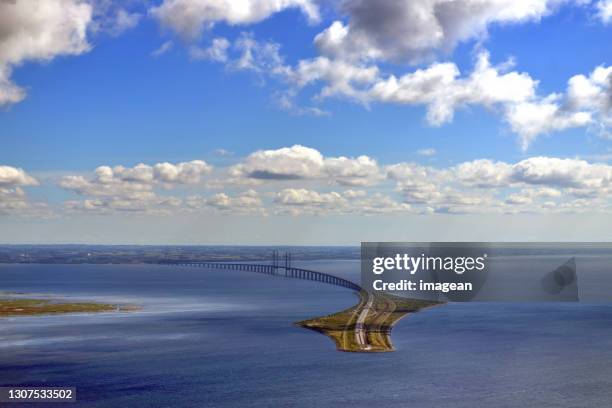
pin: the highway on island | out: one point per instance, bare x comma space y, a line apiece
365, 327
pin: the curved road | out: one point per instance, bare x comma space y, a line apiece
360, 331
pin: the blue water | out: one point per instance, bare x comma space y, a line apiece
227, 339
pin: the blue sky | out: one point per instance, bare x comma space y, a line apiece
281, 132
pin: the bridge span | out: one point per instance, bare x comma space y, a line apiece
275, 269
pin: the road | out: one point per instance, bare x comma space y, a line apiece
361, 336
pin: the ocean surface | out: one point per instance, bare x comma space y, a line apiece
223, 338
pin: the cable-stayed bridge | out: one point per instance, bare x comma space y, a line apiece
275, 268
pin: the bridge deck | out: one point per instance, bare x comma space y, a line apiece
276, 270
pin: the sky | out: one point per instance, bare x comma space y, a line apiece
305, 121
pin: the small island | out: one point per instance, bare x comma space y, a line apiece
366, 327
14, 306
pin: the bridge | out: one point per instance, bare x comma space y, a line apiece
275, 269
366, 327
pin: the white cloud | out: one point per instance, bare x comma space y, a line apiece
360, 171
409, 171
189, 18
442, 90
124, 21
12, 176
300, 162
162, 49
351, 194
143, 202
132, 189
604, 11
247, 202
484, 186
431, 189
217, 51
183, 173
340, 78
557, 172
14, 202
305, 201
531, 119
418, 184
260, 57
382, 204
9, 92
483, 173
13, 199
120, 180
38, 30
593, 94
440, 87
527, 196
415, 30
113, 20
305, 197
302, 178
550, 173
287, 163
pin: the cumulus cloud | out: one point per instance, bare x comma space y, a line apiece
550, 172
15, 202
189, 18
304, 197
557, 172
287, 163
12, 176
435, 189
483, 173
340, 78
39, 30
527, 196
122, 188
531, 119
182, 173
119, 180
300, 180
379, 203
247, 202
359, 171
143, 202
415, 30
13, 198
533, 184
306, 201
441, 89
587, 102
304, 163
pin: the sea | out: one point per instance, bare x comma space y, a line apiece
223, 338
